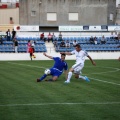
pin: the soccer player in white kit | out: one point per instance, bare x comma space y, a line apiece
78, 66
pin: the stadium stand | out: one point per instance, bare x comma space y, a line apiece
111, 44
7, 46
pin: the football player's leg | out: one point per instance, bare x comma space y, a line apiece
69, 75
84, 78
56, 75
76, 76
31, 56
80, 76
45, 75
70, 72
77, 72
54, 78
42, 78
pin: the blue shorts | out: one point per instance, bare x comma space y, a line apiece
55, 72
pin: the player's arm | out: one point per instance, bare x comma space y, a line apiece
91, 60
66, 73
66, 70
47, 56
66, 53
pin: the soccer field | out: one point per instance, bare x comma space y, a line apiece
22, 98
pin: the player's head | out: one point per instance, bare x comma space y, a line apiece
63, 56
78, 47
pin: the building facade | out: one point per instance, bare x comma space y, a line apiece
67, 12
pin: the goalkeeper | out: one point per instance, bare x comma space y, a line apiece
57, 68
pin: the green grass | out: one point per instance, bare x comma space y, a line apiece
22, 98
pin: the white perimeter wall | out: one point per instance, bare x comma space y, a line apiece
40, 56
64, 34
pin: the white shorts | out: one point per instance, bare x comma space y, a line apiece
78, 67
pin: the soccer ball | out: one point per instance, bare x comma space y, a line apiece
47, 71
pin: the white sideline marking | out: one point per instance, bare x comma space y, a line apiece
27, 65
104, 72
104, 81
43, 104
116, 69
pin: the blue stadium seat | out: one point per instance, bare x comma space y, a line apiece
18, 38
4, 38
71, 38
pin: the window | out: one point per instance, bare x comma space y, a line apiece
33, 13
104, 27
73, 17
85, 27
51, 17
111, 16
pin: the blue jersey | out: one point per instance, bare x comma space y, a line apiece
59, 64
58, 67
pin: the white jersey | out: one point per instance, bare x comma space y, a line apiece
80, 56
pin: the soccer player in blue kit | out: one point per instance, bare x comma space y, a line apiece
59, 66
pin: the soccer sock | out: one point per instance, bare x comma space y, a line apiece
69, 76
43, 77
81, 77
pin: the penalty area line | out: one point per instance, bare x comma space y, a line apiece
104, 81
43, 104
